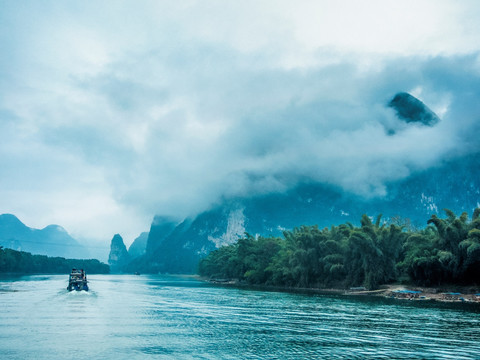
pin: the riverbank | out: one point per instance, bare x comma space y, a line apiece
443, 294
448, 293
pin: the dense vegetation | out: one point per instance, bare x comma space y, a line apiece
446, 251
12, 261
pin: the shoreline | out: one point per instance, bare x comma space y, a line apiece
443, 294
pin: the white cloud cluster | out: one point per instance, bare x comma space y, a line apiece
113, 112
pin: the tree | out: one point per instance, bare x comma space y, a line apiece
447, 251
373, 253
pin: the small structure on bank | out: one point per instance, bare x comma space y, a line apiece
406, 294
452, 296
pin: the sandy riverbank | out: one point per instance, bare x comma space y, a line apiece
444, 294
398, 291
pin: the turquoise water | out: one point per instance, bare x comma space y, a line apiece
159, 317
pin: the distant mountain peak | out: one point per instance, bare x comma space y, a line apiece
411, 110
118, 253
9, 218
53, 240
56, 228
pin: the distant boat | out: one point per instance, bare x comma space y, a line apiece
77, 280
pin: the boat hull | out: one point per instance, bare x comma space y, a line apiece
77, 287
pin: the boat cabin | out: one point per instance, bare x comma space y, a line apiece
77, 280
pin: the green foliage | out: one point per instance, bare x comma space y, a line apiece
373, 252
447, 250
12, 261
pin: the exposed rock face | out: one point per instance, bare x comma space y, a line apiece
177, 248
53, 240
235, 229
119, 256
412, 110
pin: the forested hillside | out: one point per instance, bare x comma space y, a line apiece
12, 261
375, 253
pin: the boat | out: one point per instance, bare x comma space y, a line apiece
77, 280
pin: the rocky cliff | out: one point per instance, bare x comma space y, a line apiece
138, 246
411, 110
119, 256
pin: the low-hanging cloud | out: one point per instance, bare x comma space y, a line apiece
173, 120
213, 127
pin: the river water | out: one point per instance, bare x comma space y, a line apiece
168, 317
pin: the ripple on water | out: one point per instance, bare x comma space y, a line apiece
168, 317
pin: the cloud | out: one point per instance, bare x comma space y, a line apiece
112, 115
232, 130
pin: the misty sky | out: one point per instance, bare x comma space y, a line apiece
114, 111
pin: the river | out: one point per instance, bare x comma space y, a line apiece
173, 317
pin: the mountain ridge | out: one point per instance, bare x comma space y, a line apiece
52, 240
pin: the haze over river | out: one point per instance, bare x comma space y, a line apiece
173, 317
